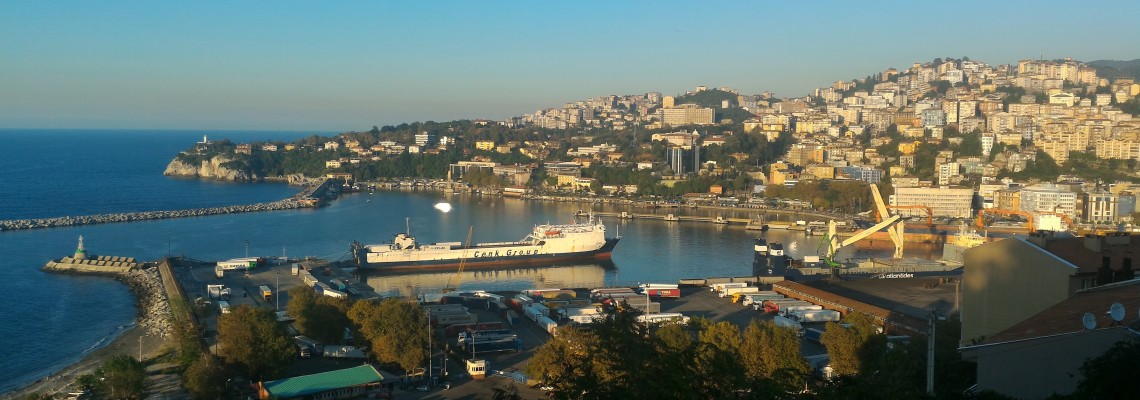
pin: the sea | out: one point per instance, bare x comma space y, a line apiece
50, 321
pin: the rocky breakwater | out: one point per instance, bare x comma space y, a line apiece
286, 204
143, 280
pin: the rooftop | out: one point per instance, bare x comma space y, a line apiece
304, 385
1065, 317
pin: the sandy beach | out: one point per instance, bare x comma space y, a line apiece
152, 326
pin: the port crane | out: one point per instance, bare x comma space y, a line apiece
890, 224
462, 260
929, 212
980, 222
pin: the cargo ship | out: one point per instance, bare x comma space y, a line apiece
544, 244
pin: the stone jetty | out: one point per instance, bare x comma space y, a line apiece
142, 278
287, 204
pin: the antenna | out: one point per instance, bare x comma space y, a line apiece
1089, 321
1116, 312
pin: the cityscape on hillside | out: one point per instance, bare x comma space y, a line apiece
1047, 140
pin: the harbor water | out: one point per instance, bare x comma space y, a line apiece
50, 320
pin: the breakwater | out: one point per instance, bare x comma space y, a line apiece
18, 224
142, 279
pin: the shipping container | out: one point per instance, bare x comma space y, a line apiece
728, 291
663, 318
511, 316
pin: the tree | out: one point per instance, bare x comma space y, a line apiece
1112, 374
848, 345
510, 393
320, 317
717, 360
122, 377
772, 352
397, 330
204, 378
252, 342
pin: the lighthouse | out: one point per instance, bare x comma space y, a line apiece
80, 252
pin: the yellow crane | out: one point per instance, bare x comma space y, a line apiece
462, 260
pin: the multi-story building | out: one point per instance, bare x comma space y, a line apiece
1008, 199
425, 139
485, 145
1118, 149
1100, 207
687, 114
863, 173
943, 201
1049, 198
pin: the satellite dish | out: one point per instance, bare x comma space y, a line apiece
1116, 312
1089, 321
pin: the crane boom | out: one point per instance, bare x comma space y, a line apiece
896, 232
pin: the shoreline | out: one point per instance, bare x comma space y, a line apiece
151, 326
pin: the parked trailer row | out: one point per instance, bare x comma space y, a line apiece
753, 299
788, 323
663, 318
786, 311
778, 306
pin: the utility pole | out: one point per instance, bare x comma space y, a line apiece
277, 290
140, 348
932, 320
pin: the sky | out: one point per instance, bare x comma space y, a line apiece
347, 65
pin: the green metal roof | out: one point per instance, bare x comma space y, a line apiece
325, 381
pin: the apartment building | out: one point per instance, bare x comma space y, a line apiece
943, 201
1048, 198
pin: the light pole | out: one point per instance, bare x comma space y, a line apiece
277, 290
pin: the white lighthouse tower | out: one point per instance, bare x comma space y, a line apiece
80, 253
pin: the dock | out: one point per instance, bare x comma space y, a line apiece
760, 225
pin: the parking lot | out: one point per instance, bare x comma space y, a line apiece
911, 295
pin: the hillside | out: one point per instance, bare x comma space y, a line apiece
1115, 68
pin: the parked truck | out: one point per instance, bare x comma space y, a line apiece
787, 310
487, 335
816, 316
813, 335
779, 306
788, 323
729, 291
717, 287
266, 293
751, 299
496, 346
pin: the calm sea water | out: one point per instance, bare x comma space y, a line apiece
51, 320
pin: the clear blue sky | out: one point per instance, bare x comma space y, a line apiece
334, 66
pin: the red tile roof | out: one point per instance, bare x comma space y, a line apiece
1065, 317
1074, 250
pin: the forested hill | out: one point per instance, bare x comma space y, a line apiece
1110, 69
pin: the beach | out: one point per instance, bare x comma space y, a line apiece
151, 330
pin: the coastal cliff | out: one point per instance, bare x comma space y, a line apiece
212, 168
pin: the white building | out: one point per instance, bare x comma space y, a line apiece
943, 201
1049, 198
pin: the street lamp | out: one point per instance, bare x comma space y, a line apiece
277, 290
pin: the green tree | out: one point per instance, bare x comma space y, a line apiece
717, 360
396, 330
849, 344
122, 377
320, 317
204, 379
773, 352
1111, 375
251, 340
